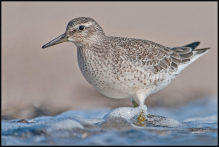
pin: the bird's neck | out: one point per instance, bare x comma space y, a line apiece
93, 50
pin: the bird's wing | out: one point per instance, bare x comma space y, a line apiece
150, 55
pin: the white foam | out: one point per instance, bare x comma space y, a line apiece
131, 115
127, 113
91, 121
64, 125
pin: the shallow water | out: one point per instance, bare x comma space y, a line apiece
192, 124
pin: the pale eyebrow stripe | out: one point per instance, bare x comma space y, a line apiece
84, 24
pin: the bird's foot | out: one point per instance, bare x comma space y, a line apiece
141, 118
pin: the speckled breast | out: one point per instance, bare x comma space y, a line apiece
102, 77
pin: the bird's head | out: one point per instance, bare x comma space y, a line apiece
81, 30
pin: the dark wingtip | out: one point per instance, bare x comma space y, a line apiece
192, 45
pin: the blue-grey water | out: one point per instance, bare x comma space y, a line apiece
191, 124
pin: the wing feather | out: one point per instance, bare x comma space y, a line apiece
157, 57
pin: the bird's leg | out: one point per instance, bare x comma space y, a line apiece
142, 116
134, 103
143, 112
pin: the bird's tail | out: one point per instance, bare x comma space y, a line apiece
187, 52
185, 55
197, 51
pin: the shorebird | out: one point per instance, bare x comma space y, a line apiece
121, 67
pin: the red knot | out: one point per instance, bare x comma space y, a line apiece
121, 67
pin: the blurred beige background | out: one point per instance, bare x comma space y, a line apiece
51, 79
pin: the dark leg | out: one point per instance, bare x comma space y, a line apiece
134, 103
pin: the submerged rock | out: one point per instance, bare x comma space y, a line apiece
116, 123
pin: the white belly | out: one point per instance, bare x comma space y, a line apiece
121, 85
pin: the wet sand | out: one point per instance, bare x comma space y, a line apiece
51, 79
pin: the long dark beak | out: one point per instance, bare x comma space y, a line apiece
62, 38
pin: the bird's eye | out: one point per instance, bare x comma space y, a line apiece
81, 27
